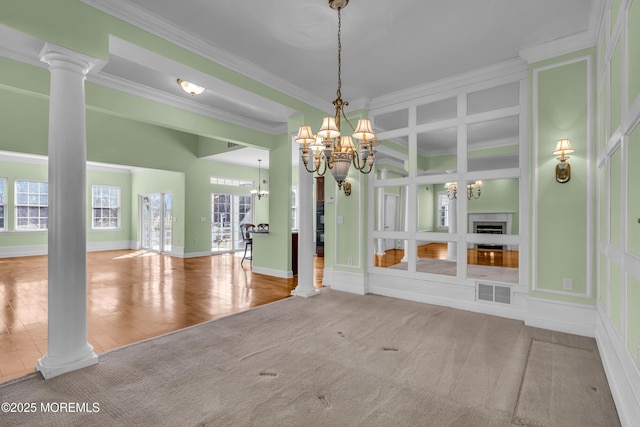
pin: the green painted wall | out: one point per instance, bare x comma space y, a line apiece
633, 224
562, 208
29, 170
615, 198
633, 57
615, 102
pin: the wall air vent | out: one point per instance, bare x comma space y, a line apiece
231, 144
494, 293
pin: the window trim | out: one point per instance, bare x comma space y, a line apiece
94, 207
28, 205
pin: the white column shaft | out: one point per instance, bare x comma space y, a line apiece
68, 348
306, 249
451, 246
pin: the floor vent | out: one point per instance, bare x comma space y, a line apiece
494, 293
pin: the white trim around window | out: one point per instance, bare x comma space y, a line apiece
105, 207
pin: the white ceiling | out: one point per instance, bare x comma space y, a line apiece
388, 46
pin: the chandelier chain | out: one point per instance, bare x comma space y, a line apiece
339, 92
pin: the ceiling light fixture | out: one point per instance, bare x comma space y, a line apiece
190, 88
259, 192
328, 149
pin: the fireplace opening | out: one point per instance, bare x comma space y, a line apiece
489, 227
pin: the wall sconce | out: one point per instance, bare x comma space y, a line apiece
346, 186
563, 169
474, 190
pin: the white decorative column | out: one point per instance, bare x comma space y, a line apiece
452, 252
380, 242
68, 348
405, 193
306, 250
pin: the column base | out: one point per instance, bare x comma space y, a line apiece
306, 293
49, 367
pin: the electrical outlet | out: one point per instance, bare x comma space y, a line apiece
350, 261
203, 219
567, 284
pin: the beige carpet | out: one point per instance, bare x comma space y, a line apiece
449, 268
335, 359
559, 382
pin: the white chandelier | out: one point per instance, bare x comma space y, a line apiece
328, 149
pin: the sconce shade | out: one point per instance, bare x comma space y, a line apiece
364, 131
305, 135
563, 147
346, 143
329, 129
190, 88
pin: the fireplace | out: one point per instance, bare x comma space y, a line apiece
490, 223
489, 227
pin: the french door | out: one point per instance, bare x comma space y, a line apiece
228, 211
155, 221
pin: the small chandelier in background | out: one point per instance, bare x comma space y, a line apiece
474, 190
190, 88
328, 149
259, 192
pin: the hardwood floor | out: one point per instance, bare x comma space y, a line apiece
132, 295
439, 251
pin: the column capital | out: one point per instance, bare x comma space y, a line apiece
58, 56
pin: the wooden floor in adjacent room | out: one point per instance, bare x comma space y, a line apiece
132, 296
489, 257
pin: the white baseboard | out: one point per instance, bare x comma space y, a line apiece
18, 251
561, 316
271, 272
458, 296
195, 254
110, 246
622, 373
177, 251
355, 283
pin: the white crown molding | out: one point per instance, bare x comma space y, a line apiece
140, 18
559, 47
116, 83
500, 70
37, 159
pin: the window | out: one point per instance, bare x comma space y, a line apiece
3, 203
32, 201
106, 207
443, 210
294, 208
218, 180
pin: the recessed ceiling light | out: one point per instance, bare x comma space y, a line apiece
190, 88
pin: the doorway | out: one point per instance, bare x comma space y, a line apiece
390, 218
155, 220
